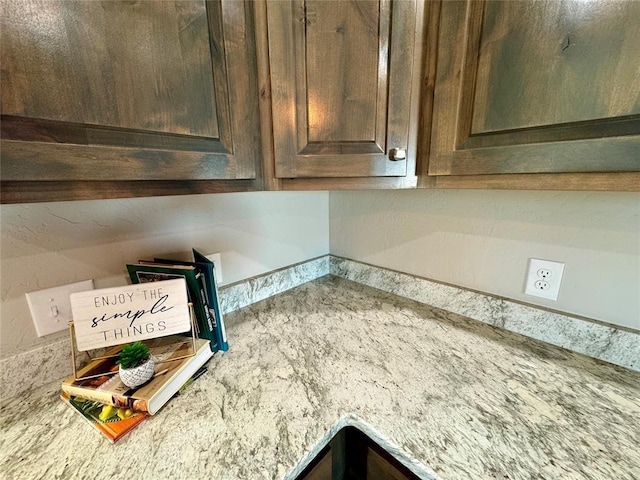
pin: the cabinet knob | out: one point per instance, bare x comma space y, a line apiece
397, 154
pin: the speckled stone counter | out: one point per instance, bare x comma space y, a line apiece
452, 398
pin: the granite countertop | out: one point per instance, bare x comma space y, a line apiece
449, 396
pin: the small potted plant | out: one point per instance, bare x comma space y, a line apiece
136, 364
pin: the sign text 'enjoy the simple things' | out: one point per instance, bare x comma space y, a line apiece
112, 316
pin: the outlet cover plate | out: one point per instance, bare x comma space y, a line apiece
217, 264
51, 308
544, 278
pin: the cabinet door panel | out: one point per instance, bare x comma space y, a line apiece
154, 79
537, 87
561, 52
341, 80
343, 35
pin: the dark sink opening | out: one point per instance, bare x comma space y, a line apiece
352, 455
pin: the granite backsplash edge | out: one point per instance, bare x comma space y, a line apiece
618, 346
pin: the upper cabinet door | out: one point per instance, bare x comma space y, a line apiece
537, 86
121, 90
341, 74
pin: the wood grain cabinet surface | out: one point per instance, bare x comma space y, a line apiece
122, 98
341, 76
533, 87
352, 455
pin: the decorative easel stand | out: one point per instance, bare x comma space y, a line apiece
115, 316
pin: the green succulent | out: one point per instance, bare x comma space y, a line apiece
133, 355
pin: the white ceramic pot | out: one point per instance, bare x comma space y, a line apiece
136, 376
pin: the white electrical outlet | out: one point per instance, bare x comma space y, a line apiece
51, 308
544, 278
217, 263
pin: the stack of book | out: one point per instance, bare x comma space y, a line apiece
114, 409
202, 290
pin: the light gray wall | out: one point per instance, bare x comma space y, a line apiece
50, 244
476, 239
483, 239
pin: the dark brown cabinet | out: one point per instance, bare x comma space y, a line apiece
342, 75
352, 455
535, 87
121, 98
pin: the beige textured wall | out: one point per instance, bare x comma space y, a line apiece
483, 239
50, 244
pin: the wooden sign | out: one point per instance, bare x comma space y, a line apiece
112, 316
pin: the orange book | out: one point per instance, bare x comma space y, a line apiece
111, 421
